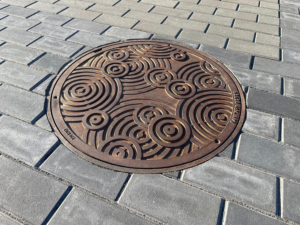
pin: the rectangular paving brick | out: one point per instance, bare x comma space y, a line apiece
185, 24
140, 15
81, 51
262, 124
228, 57
166, 3
18, 36
241, 183
24, 141
258, 79
75, 4
290, 16
148, 194
51, 63
287, 9
276, 158
274, 103
18, 53
239, 215
196, 8
290, 24
80, 14
21, 3
12, 104
269, 5
47, 7
202, 38
44, 87
290, 39
17, 22
276, 67
292, 88
236, 14
231, 32
172, 12
155, 28
56, 46
212, 19
116, 21
259, 10
246, 2
219, 4
87, 26
92, 40
18, 11
124, 33
114, 10
257, 27
43, 123
190, 44
267, 39
291, 134
65, 164
82, 208
46, 17
52, 30
27, 193
291, 201
6, 220
19, 75
254, 48
134, 5
268, 19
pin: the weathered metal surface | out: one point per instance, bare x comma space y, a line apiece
146, 106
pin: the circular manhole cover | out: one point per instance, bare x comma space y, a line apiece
146, 106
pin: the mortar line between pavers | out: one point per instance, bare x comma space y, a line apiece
225, 212
14, 217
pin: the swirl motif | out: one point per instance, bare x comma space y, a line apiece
95, 119
180, 89
169, 131
159, 77
115, 69
154, 51
178, 55
123, 147
118, 54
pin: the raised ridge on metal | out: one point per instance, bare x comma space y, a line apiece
146, 106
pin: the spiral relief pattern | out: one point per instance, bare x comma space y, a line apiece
146, 104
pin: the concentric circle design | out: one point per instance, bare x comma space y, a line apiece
146, 106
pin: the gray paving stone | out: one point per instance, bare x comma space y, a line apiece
276, 158
229, 151
46, 17
20, 103
290, 24
289, 56
284, 9
88, 26
174, 174
292, 88
19, 53
191, 44
65, 164
292, 3
240, 215
6, 220
291, 201
227, 57
53, 30
261, 80
18, 11
56, 46
17, 22
274, 103
92, 40
47, 7
276, 67
44, 87
24, 141
81, 208
291, 132
2, 5
290, 39
124, 33
286, 15
229, 179
262, 124
44, 123
27, 193
18, 36
82, 51
170, 201
51, 63
19, 75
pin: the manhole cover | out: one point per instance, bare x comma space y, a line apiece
146, 106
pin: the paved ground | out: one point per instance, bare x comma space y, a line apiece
256, 180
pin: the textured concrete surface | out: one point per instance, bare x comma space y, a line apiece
256, 180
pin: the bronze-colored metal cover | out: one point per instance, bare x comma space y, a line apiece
146, 106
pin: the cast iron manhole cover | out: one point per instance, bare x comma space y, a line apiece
146, 106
